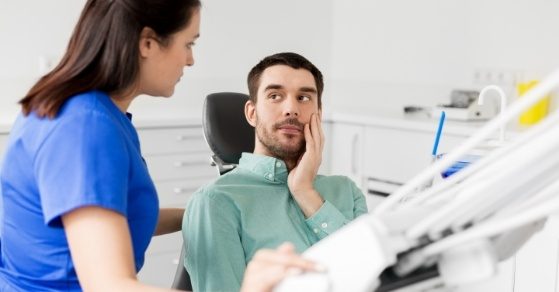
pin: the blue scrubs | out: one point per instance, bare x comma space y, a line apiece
89, 155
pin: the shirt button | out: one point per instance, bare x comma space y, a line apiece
324, 225
278, 164
315, 230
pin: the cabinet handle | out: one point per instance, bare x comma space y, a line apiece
183, 190
354, 154
188, 163
179, 190
186, 137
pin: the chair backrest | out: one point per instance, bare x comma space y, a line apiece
226, 130
228, 135
182, 278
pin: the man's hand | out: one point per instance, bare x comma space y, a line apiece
301, 178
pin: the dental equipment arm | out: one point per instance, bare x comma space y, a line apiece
457, 231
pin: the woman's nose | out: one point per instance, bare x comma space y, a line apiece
190, 59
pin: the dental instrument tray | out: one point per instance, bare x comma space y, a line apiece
464, 107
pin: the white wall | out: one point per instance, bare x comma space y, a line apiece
235, 35
376, 55
30, 29
388, 53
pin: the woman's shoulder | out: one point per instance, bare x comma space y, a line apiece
92, 101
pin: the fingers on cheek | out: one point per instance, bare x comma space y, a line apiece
307, 131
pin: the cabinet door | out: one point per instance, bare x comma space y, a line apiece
178, 162
347, 151
177, 193
396, 155
172, 140
180, 166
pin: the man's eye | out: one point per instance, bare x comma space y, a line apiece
274, 96
304, 98
190, 45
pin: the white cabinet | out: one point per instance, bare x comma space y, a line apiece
397, 154
178, 162
380, 157
346, 151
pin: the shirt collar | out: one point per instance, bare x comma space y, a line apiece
270, 168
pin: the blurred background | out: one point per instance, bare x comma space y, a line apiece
376, 55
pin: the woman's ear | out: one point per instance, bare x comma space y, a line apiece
250, 113
148, 42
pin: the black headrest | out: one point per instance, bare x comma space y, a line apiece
226, 129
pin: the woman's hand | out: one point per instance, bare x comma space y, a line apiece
269, 267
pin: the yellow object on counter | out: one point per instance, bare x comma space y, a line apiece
538, 111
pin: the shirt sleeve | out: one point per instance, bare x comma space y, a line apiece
83, 161
215, 257
328, 218
359, 202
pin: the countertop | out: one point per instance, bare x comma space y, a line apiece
395, 120
417, 122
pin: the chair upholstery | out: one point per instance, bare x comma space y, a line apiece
182, 278
228, 134
226, 130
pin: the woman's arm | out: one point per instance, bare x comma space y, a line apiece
101, 250
170, 220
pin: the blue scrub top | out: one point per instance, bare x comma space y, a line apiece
88, 155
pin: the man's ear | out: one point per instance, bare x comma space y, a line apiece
250, 113
148, 42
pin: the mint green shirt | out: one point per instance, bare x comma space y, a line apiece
251, 208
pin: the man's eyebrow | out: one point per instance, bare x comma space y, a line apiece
273, 86
308, 89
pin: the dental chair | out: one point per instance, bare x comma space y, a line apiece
228, 135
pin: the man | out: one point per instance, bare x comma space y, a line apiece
275, 194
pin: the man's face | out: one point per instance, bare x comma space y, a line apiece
285, 101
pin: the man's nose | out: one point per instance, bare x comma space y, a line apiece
291, 107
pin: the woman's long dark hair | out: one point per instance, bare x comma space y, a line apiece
103, 52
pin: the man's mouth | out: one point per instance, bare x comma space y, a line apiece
290, 129
290, 126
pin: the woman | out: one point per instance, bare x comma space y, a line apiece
79, 205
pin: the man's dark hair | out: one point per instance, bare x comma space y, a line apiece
103, 52
292, 60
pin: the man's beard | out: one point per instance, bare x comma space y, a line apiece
274, 145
